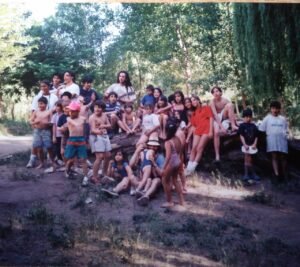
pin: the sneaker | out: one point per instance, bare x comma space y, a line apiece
60, 162
106, 179
61, 169
143, 201
30, 164
255, 177
246, 178
49, 170
90, 173
85, 181
110, 192
132, 191
78, 170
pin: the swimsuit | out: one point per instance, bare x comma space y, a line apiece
174, 159
145, 162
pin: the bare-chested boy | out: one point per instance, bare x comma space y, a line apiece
130, 119
40, 121
76, 145
99, 140
223, 112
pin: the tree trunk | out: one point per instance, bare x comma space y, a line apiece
1, 107
244, 98
186, 60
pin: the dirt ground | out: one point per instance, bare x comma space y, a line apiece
45, 221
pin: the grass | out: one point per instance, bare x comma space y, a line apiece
15, 127
39, 214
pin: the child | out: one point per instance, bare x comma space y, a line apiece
163, 109
76, 145
276, 128
202, 121
172, 165
56, 133
223, 112
112, 111
157, 93
248, 134
99, 140
130, 119
149, 97
119, 168
40, 121
150, 125
178, 103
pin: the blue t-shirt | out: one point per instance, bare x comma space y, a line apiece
87, 95
121, 171
148, 99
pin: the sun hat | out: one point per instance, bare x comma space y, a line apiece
74, 106
153, 142
251, 150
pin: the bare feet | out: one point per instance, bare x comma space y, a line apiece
167, 205
95, 180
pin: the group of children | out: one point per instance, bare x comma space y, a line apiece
173, 131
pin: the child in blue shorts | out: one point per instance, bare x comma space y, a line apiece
76, 144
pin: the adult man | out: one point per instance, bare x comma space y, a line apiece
123, 88
223, 112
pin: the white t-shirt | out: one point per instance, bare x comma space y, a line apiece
150, 121
73, 89
52, 99
274, 125
121, 91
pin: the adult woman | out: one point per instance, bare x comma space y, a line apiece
123, 88
202, 121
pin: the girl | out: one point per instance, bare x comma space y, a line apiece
56, 134
157, 93
172, 165
120, 169
178, 101
202, 121
162, 109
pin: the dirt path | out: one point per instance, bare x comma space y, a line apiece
11, 145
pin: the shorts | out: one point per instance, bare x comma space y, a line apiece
100, 143
42, 138
76, 146
225, 123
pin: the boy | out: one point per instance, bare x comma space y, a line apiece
112, 110
130, 119
223, 112
149, 97
76, 145
40, 121
150, 125
276, 128
99, 140
248, 134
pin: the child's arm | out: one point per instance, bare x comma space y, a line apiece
135, 157
254, 145
106, 124
243, 142
211, 127
32, 120
162, 110
54, 127
94, 129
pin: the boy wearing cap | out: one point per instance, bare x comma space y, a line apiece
40, 121
76, 144
99, 140
248, 134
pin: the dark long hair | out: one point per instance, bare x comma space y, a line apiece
171, 127
127, 78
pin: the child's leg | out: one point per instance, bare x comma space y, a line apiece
40, 152
229, 113
247, 165
217, 141
156, 182
136, 124
52, 156
166, 181
106, 162
96, 166
275, 163
143, 139
123, 185
146, 175
201, 146
83, 163
123, 126
182, 178
148, 185
196, 141
283, 164
178, 188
